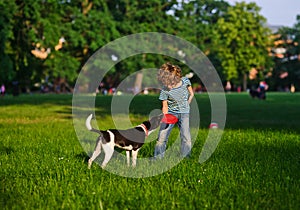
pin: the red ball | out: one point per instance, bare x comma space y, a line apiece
213, 125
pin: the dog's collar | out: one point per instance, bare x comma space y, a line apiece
144, 128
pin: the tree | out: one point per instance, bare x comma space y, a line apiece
286, 56
242, 40
7, 8
85, 26
197, 21
54, 38
137, 17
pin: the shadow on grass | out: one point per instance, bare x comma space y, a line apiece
4, 150
82, 156
66, 113
279, 112
37, 99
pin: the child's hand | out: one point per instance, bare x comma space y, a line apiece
191, 92
165, 107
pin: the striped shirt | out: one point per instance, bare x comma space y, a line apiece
177, 97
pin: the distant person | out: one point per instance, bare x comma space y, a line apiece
260, 92
228, 86
15, 88
293, 89
2, 90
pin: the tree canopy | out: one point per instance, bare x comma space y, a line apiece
243, 41
46, 39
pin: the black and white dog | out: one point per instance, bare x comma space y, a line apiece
130, 140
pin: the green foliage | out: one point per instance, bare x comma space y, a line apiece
288, 39
242, 39
233, 37
7, 8
197, 20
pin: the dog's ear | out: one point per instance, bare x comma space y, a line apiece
154, 122
147, 124
157, 118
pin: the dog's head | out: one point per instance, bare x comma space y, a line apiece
153, 123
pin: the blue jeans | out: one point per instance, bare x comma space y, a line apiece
185, 135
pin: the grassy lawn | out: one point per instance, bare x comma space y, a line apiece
255, 166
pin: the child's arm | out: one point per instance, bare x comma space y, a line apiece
191, 92
165, 106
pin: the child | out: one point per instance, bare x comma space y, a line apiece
176, 95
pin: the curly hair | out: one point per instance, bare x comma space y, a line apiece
169, 75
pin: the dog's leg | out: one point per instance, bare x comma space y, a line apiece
108, 150
134, 157
96, 153
128, 157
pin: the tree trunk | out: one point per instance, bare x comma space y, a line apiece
245, 82
138, 83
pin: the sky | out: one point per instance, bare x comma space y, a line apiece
277, 12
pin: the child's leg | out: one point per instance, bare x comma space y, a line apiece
162, 140
185, 135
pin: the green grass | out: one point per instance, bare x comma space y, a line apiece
255, 166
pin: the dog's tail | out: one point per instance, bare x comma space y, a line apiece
89, 126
